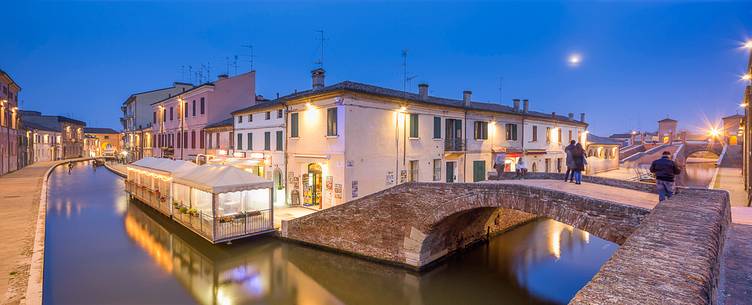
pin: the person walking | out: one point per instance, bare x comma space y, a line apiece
665, 170
570, 162
521, 168
499, 164
579, 161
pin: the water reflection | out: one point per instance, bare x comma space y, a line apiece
142, 257
698, 174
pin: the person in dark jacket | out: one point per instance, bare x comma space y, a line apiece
665, 169
569, 176
579, 161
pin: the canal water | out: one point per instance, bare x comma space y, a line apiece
103, 249
698, 174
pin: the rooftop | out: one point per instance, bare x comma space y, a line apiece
100, 130
222, 123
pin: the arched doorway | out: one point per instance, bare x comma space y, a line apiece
312, 189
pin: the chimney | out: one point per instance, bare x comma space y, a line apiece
553, 114
571, 116
222, 76
423, 90
525, 105
582, 117
466, 96
516, 104
317, 76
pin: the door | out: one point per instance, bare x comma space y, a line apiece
450, 172
312, 186
479, 170
453, 134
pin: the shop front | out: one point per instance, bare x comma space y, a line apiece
313, 182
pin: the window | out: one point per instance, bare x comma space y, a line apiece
279, 140
230, 139
250, 141
331, 122
250, 117
240, 141
413, 171
164, 115
535, 133
267, 140
217, 144
185, 109
558, 165
279, 113
558, 135
154, 117
548, 164
201, 140
268, 115
240, 119
437, 169
179, 138
171, 117
185, 139
511, 130
548, 134
193, 139
414, 126
481, 130
437, 130
294, 125
570, 135
202, 107
193, 106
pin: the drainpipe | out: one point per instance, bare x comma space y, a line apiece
285, 150
464, 148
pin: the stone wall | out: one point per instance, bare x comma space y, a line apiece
415, 224
672, 258
632, 185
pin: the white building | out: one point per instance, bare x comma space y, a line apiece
349, 139
259, 135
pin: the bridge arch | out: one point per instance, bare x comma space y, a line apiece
415, 224
691, 148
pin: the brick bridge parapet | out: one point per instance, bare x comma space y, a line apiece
670, 253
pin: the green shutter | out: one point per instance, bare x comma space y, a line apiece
279, 140
436, 127
479, 171
240, 141
294, 125
267, 141
250, 141
413, 125
331, 122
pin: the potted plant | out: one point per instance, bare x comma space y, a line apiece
193, 212
183, 209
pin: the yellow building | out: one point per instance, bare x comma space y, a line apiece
101, 142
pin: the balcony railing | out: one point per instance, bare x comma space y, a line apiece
455, 144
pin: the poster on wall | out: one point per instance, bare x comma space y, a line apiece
403, 176
389, 178
291, 176
329, 182
338, 191
355, 188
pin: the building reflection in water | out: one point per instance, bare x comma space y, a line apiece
532, 264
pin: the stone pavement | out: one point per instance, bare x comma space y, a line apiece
736, 273
20, 193
597, 191
730, 179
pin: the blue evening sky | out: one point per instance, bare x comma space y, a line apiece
640, 61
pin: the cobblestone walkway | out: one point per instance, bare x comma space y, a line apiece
736, 283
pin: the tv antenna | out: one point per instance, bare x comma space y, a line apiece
250, 54
321, 40
501, 97
235, 64
405, 78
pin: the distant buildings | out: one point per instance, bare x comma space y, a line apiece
10, 156
68, 141
101, 142
137, 118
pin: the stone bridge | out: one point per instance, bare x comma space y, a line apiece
691, 147
669, 252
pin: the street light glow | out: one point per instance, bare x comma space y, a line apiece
747, 76
748, 44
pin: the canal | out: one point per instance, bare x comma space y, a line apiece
102, 249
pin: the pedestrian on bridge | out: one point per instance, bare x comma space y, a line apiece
665, 169
569, 176
499, 164
578, 160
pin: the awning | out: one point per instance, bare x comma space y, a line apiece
222, 179
163, 165
535, 151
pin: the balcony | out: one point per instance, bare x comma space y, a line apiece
455, 144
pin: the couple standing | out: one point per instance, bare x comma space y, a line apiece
576, 161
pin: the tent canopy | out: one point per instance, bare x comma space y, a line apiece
221, 179
164, 165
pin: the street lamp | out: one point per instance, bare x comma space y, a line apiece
748, 44
746, 77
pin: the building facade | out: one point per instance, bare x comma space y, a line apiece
602, 154
101, 142
137, 118
68, 133
349, 140
10, 158
178, 121
733, 129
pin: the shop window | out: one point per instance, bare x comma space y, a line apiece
436, 169
294, 122
414, 125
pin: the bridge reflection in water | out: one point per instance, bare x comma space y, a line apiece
139, 256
